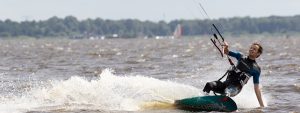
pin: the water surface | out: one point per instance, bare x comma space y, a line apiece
121, 75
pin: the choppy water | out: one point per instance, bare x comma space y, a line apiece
121, 75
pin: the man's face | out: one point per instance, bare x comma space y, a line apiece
253, 51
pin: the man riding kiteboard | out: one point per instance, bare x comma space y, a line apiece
238, 75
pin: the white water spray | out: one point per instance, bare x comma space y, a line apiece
109, 92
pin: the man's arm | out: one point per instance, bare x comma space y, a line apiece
258, 95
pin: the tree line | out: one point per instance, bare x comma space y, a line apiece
129, 28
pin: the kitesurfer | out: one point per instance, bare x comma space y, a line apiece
238, 75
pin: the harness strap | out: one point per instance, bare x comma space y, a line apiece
223, 75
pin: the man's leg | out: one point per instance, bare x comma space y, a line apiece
208, 87
215, 86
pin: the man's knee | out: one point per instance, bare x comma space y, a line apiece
209, 86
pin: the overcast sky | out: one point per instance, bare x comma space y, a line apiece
153, 10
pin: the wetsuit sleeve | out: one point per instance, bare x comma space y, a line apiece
255, 77
236, 55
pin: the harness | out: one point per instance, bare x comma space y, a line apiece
236, 78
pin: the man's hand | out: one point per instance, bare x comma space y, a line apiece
260, 107
226, 50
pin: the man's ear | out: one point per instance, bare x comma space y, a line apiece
258, 55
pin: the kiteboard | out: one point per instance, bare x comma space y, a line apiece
207, 103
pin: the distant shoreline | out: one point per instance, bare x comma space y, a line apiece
292, 35
131, 28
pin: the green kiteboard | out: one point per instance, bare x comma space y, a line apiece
207, 103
